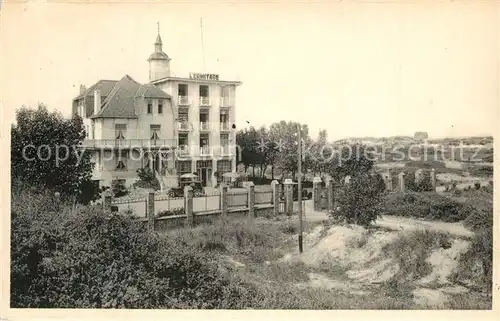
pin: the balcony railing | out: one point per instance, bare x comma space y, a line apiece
184, 150
204, 125
128, 143
183, 101
224, 150
205, 101
204, 150
224, 126
226, 102
184, 126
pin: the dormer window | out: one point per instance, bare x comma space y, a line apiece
155, 132
160, 107
120, 131
150, 107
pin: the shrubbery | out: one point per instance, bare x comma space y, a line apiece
426, 205
93, 259
360, 200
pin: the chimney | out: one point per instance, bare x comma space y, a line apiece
82, 89
97, 101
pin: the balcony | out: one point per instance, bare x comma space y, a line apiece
184, 126
225, 151
204, 126
183, 101
226, 102
128, 143
183, 151
205, 150
224, 127
205, 102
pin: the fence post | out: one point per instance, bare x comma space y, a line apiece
433, 180
151, 211
288, 196
188, 204
223, 195
251, 200
276, 197
107, 201
330, 194
316, 192
389, 180
401, 178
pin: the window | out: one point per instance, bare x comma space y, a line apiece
224, 117
203, 140
183, 139
160, 107
150, 107
204, 91
155, 132
224, 139
203, 117
203, 164
87, 131
182, 90
224, 91
183, 167
120, 131
224, 166
183, 117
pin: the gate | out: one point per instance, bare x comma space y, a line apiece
281, 208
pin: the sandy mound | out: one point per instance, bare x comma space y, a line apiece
361, 253
444, 262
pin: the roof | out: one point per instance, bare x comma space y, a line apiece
104, 86
158, 55
121, 101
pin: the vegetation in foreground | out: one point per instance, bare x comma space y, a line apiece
91, 259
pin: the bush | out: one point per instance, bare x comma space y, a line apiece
146, 174
174, 211
118, 188
360, 200
105, 260
427, 205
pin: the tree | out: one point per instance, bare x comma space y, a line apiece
284, 135
247, 142
45, 153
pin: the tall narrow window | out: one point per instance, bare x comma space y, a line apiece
204, 91
120, 131
182, 90
150, 107
155, 132
160, 107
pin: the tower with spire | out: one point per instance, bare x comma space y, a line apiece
159, 62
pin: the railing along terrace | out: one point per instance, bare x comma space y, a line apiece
183, 100
128, 143
205, 101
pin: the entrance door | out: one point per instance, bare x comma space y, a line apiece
202, 174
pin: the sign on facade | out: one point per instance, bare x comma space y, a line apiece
198, 76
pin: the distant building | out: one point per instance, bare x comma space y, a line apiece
172, 125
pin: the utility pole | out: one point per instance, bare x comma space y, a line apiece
299, 187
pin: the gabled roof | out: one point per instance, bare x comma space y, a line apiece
105, 86
122, 99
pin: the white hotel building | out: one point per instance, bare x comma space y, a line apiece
174, 125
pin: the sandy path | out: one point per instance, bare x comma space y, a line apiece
398, 223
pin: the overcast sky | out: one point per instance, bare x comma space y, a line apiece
355, 69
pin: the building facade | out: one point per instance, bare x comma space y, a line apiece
173, 125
